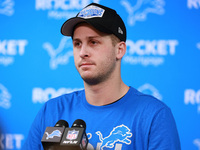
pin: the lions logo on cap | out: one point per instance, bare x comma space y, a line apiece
91, 12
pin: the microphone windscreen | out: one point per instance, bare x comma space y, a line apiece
79, 124
62, 123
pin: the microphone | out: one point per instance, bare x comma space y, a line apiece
53, 135
75, 138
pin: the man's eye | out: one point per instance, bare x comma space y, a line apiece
94, 42
77, 44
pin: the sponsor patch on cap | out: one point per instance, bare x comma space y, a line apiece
91, 12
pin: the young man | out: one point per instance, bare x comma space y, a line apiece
118, 117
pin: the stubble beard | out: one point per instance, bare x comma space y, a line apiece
101, 75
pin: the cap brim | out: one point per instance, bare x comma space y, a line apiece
68, 27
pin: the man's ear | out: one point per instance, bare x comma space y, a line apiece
121, 50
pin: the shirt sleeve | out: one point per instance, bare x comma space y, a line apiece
163, 134
33, 141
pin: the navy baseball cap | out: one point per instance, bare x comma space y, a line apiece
102, 18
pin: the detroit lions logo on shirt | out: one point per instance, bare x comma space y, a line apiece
118, 134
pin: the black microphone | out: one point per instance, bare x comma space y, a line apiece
53, 135
75, 138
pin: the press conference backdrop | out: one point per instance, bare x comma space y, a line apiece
36, 61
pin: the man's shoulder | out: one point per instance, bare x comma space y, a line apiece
68, 97
146, 99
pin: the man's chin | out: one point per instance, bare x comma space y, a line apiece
91, 80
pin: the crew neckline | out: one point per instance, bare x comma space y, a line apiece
107, 106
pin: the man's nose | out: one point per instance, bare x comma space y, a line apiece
84, 51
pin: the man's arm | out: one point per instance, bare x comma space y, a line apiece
163, 133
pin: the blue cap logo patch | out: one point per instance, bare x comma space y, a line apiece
91, 12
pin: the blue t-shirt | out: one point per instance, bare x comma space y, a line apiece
135, 122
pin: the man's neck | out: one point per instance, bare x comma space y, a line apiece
105, 93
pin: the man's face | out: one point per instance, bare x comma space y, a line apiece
94, 54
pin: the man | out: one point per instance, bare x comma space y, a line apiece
118, 117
